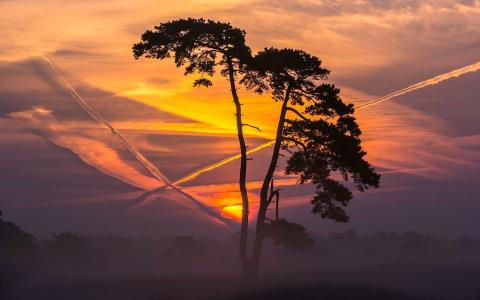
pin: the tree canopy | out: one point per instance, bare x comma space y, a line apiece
278, 70
197, 44
323, 139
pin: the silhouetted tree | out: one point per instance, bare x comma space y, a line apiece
288, 234
68, 249
202, 45
323, 140
18, 253
16, 245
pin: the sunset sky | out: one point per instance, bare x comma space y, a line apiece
62, 170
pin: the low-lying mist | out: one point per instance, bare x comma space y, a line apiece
345, 265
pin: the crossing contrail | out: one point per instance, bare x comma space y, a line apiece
195, 174
154, 171
87, 108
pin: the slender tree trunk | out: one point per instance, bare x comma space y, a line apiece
243, 173
262, 211
277, 203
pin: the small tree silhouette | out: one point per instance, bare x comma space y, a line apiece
18, 252
16, 245
323, 140
288, 234
69, 249
202, 45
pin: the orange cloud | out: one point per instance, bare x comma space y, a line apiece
93, 152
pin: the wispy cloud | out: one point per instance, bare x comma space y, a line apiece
42, 122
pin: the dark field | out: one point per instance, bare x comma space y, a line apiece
403, 282
341, 266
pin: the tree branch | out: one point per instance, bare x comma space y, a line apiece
298, 114
275, 192
296, 142
255, 127
289, 151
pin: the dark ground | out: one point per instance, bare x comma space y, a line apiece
383, 282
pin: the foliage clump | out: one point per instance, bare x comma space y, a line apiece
288, 234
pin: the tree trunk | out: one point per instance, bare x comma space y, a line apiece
277, 202
243, 173
262, 211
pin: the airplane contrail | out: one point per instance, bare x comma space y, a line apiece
87, 108
433, 81
154, 171
195, 174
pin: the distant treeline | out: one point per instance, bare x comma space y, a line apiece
22, 255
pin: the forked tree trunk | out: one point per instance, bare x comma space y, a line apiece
243, 173
262, 211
